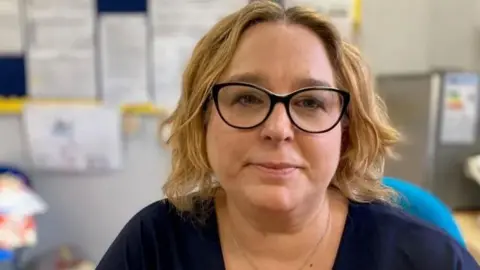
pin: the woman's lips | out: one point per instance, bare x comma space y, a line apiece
276, 169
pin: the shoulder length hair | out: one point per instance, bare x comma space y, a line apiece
368, 135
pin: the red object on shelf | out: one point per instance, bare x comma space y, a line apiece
17, 231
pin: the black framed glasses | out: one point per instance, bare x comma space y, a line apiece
312, 109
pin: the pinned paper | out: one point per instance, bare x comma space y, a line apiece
61, 51
459, 110
344, 14
70, 137
124, 60
11, 27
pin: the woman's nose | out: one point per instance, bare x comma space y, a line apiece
278, 126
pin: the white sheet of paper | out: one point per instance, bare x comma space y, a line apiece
61, 55
59, 8
64, 137
177, 27
61, 33
189, 17
170, 57
123, 45
460, 107
60, 24
340, 12
61, 75
11, 27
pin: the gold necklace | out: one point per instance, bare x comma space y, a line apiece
309, 256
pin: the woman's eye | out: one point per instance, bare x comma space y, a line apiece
310, 103
248, 100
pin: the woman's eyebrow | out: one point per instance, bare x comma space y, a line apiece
306, 82
256, 78
248, 77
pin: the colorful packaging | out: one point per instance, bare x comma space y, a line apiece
18, 206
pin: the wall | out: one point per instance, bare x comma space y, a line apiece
398, 36
418, 35
453, 39
394, 35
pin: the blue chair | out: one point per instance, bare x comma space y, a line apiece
424, 205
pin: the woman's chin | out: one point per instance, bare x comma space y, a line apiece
272, 198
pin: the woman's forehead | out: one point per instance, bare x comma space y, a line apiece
272, 54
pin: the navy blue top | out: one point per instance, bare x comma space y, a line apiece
376, 236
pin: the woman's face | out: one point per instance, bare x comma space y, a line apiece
275, 166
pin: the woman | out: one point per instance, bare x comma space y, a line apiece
278, 146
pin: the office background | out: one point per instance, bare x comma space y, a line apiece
88, 210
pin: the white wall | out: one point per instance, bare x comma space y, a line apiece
398, 36
394, 35
453, 39
418, 35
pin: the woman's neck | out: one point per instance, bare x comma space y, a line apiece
275, 235
264, 221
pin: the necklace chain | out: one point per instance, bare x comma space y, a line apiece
309, 256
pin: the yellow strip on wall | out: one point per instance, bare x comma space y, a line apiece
13, 106
357, 12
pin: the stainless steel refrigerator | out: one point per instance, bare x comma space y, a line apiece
437, 114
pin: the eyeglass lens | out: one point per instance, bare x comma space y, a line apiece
313, 110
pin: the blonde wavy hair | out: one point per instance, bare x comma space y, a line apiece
368, 136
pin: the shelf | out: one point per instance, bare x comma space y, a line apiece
14, 106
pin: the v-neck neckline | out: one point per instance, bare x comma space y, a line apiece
213, 233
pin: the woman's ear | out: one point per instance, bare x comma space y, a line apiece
207, 113
345, 124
